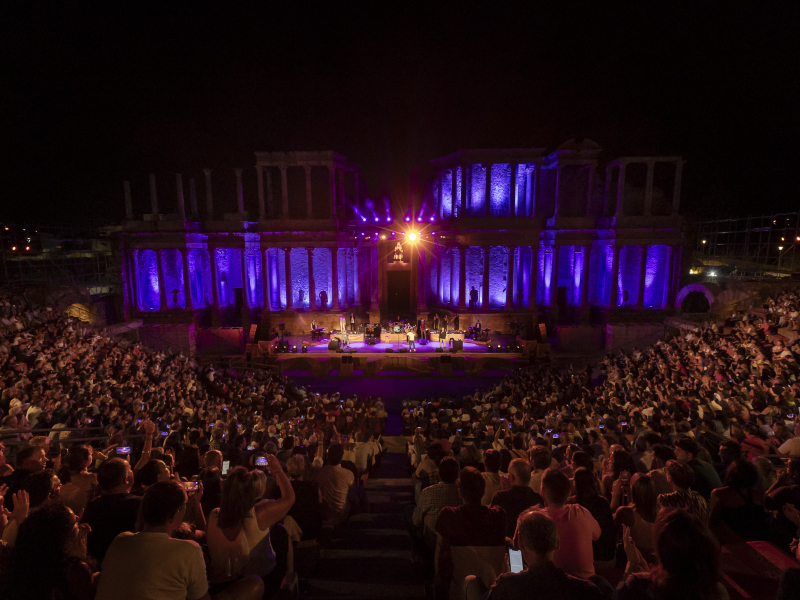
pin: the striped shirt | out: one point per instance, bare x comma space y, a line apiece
688, 500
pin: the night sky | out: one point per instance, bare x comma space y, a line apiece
96, 95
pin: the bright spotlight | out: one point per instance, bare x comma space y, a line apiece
412, 237
432, 218
419, 219
388, 219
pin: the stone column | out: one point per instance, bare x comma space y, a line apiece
676, 190
262, 212
519, 277
462, 208
374, 276
533, 278
284, 192
212, 252
553, 299
642, 274
126, 188
271, 212
512, 202
239, 192
162, 285
309, 205
346, 298
334, 278
485, 290
488, 189
510, 279
441, 204
332, 185
344, 197
667, 289
265, 279
245, 282
558, 191
587, 256
453, 287
187, 280
462, 277
193, 199
614, 276
620, 190
287, 257
153, 197
439, 263
454, 191
312, 288
528, 182
648, 189
179, 197
135, 278
209, 200
422, 276
535, 189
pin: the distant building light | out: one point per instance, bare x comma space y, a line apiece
27, 247
780, 247
704, 241
712, 274
13, 248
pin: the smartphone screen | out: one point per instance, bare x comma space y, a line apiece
191, 486
515, 560
261, 461
123, 449
225, 466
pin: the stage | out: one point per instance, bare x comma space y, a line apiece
396, 359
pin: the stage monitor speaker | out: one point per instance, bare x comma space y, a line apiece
439, 350
333, 344
401, 350
283, 346
458, 345
352, 350
389, 351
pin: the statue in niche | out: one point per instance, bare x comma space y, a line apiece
223, 289
323, 299
175, 296
301, 296
473, 297
398, 253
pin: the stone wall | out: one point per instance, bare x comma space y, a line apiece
220, 340
178, 338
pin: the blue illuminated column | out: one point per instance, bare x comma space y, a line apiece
187, 280
265, 278
312, 290
553, 300
510, 278
485, 295
162, 287
488, 200
346, 290
462, 208
512, 201
452, 253
614, 275
585, 266
133, 274
334, 278
439, 275
212, 250
288, 266
667, 280
245, 283
642, 273
453, 192
462, 273
533, 277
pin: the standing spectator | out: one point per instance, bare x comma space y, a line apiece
306, 510
78, 481
433, 499
115, 508
519, 497
151, 564
587, 494
334, 483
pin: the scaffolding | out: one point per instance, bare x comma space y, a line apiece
63, 256
764, 245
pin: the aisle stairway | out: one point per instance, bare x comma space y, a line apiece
370, 555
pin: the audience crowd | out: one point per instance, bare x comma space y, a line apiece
629, 474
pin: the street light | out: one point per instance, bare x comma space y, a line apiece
780, 255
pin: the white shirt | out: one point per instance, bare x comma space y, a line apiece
152, 566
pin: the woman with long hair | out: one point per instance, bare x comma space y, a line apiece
238, 531
49, 558
587, 495
640, 515
688, 558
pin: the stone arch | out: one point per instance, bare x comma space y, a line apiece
707, 289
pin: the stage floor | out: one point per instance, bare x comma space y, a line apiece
381, 347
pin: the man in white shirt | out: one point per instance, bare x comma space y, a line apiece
150, 565
334, 485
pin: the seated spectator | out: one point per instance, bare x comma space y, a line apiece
432, 500
49, 559
688, 558
785, 491
334, 484
150, 564
737, 509
662, 454
640, 515
482, 528
519, 497
680, 476
542, 579
491, 475
587, 494
115, 508
307, 507
541, 461
577, 528
30, 459
705, 476
77, 481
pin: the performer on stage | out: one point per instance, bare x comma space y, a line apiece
473, 297
435, 323
352, 322
442, 333
411, 339
313, 327
342, 323
456, 322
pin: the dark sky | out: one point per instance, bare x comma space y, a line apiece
92, 96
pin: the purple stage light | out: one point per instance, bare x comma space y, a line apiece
364, 219
388, 219
377, 219
431, 218
419, 219
408, 219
